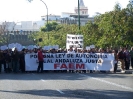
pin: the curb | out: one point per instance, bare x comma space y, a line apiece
128, 72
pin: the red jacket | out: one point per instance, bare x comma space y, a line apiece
40, 56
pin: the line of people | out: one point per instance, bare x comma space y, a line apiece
14, 61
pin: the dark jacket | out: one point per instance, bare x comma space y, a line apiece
121, 55
15, 56
8, 57
1, 56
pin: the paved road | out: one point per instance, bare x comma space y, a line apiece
66, 86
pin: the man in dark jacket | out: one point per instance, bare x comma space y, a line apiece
1, 58
22, 61
15, 59
40, 59
8, 59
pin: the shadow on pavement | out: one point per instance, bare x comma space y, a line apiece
45, 76
58, 76
79, 94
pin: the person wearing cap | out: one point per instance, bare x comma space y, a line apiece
40, 59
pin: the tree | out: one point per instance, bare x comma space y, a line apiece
50, 27
4, 31
112, 28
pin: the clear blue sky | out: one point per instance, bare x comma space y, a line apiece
22, 10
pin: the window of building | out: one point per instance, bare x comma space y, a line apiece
43, 18
82, 12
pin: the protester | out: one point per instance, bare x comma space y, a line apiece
22, 61
40, 59
115, 61
127, 59
121, 58
131, 54
15, 60
8, 59
1, 58
3, 61
72, 52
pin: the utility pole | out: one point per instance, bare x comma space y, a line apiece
79, 14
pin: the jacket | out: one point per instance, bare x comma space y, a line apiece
40, 56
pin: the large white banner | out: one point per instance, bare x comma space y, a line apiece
75, 41
66, 61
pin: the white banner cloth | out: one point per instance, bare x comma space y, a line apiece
68, 61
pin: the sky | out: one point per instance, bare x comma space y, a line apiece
22, 10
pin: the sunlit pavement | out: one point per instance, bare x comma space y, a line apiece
66, 86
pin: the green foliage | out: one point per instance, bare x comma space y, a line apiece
112, 28
51, 26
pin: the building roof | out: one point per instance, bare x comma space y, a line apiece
81, 3
51, 15
68, 13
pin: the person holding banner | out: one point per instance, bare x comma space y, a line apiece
15, 60
71, 51
40, 59
22, 61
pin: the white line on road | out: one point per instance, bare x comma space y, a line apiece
60, 92
111, 83
33, 74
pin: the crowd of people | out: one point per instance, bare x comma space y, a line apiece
14, 61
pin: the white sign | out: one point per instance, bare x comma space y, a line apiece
87, 47
92, 46
75, 41
67, 61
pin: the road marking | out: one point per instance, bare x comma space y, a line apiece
108, 82
60, 92
43, 80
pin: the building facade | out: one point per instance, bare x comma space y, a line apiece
72, 18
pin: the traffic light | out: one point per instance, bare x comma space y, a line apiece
40, 39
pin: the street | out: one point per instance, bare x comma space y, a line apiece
66, 86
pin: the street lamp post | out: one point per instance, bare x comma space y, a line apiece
47, 13
47, 17
46, 8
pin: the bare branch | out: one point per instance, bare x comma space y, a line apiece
4, 27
